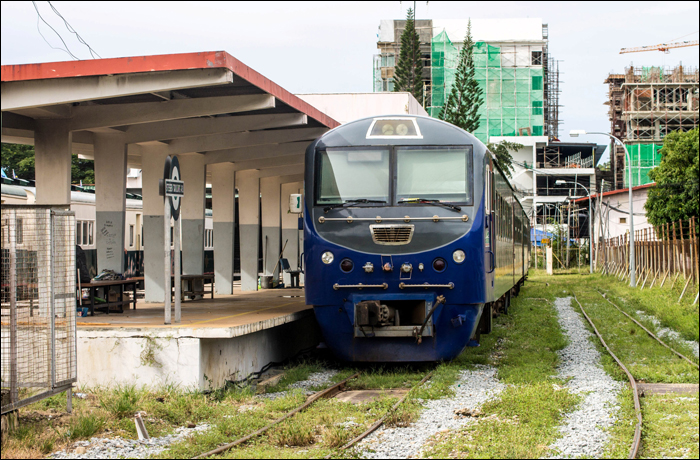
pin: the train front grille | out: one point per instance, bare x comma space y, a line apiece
391, 234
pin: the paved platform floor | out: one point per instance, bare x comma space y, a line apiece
223, 312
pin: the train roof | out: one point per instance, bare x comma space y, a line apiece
13, 190
416, 129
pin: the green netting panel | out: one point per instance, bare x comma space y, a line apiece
536, 83
522, 113
493, 100
536, 71
522, 123
494, 56
443, 58
537, 130
508, 98
537, 107
509, 127
644, 158
522, 74
494, 113
537, 95
495, 127
508, 73
480, 74
480, 54
522, 86
522, 100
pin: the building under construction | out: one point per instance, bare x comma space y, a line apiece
647, 103
519, 79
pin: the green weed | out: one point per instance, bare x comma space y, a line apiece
85, 426
122, 401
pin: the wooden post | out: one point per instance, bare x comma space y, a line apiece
695, 245
675, 250
680, 226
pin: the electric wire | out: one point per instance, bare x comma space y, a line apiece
59, 35
72, 30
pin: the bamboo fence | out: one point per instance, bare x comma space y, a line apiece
663, 255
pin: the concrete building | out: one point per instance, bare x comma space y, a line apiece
519, 78
645, 104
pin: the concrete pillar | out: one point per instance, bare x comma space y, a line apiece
290, 228
52, 161
152, 162
192, 213
110, 200
271, 231
223, 189
248, 226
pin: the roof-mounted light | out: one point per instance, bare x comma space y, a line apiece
394, 128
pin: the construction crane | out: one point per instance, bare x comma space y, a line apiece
665, 47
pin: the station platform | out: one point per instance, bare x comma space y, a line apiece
220, 339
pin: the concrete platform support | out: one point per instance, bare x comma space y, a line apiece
249, 226
270, 217
52, 161
152, 161
197, 359
110, 200
192, 213
290, 227
224, 210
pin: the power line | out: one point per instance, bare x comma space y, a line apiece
54, 30
72, 30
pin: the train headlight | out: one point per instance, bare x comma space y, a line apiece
327, 257
458, 256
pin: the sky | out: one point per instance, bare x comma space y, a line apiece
327, 47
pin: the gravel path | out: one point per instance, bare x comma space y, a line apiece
315, 380
126, 448
472, 389
663, 332
584, 429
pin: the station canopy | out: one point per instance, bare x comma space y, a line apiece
206, 103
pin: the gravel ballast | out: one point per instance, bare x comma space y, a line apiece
315, 380
126, 448
584, 430
665, 332
472, 389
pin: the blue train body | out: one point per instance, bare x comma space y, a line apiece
395, 279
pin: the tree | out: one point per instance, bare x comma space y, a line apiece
408, 74
462, 105
503, 158
677, 192
20, 159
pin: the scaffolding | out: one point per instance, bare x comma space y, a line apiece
511, 78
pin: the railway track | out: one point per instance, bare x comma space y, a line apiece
634, 449
327, 393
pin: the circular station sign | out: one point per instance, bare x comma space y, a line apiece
175, 199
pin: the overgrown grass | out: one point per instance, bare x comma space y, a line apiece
645, 358
523, 420
520, 424
84, 426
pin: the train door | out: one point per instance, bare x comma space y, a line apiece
489, 231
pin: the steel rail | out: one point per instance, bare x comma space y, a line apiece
328, 392
637, 408
649, 332
380, 422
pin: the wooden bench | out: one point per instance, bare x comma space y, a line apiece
122, 285
187, 287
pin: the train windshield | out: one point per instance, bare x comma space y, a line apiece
434, 173
353, 174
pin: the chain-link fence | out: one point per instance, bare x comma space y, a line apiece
38, 304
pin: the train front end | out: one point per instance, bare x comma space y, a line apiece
394, 238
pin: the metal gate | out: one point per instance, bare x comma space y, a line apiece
38, 304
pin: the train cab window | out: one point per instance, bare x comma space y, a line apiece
434, 173
353, 174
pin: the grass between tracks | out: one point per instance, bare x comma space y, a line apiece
522, 422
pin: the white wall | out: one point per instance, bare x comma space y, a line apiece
345, 107
621, 201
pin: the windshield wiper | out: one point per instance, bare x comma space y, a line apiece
348, 203
422, 200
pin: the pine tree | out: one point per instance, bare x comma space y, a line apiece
462, 105
409, 70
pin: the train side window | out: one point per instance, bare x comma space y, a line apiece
90, 233
142, 237
131, 236
79, 233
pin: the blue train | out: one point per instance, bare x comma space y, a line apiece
413, 239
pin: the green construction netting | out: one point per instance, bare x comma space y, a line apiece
513, 96
643, 158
